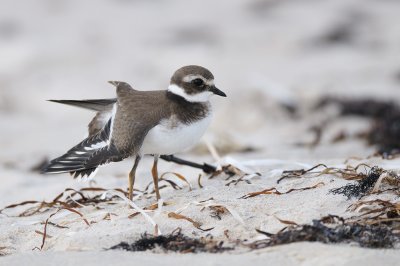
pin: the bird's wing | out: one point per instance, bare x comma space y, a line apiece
97, 149
137, 113
84, 158
103, 108
92, 104
129, 121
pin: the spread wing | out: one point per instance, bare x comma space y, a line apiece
115, 133
103, 108
84, 158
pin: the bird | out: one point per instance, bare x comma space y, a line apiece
138, 123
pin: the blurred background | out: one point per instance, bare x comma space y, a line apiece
276, 59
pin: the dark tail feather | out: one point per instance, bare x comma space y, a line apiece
94, 105
82, 164
82, 173
84, 158
56, 167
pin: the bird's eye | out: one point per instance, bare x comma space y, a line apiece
197, 82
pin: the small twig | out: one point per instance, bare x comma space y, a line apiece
273, 190
47, 223
199, 181
182, 217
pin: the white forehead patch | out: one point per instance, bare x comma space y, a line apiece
203, 96
191, 77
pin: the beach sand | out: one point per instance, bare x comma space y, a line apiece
264, 55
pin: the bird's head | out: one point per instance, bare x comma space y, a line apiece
194, 84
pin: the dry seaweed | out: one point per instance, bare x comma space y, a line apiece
370, 236
238, 180
210, 203
181, 177
56, 225
365, 182
299, 173
361, 187
69, 199
162, 178
217, 211
277, 192
152, 207
348, 173
45, 236
199, 181
376, 212
176, 242
42, 234
182, 217
229, 170
285, 221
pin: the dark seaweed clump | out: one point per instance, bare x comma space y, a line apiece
174, 242
385, 128
369, 236
361, 187
386, 134
362, 107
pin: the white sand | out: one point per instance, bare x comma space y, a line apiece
261, 54
293, 254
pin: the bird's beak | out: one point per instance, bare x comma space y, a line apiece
217, 91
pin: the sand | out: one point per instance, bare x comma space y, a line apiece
293, 254
263, 53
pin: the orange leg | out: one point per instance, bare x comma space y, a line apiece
154, 172
132, 175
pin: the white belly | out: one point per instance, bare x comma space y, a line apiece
170, 136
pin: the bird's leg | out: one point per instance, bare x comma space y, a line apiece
154, 172
132, 175
207, 168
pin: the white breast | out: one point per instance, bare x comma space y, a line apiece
171, 136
